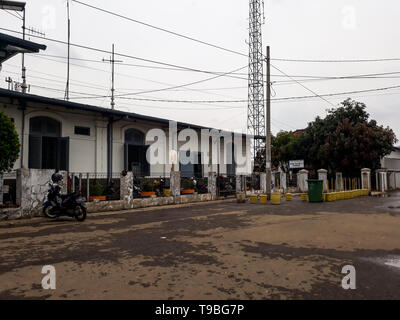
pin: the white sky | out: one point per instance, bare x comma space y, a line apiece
306, 29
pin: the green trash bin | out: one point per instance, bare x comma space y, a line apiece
315, 189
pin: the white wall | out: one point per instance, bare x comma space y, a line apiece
89, 153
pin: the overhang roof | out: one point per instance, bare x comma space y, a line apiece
115, 114
10, 46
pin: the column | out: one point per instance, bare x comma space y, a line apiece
283, 181
263, 182
1, 188
339, 182
366, 179
323, 175
175, 183
212, 184
126, 186
302, 177
240, 183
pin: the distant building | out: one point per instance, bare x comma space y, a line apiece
392, 161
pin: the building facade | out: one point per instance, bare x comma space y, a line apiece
79, 138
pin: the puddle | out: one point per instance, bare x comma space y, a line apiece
393, 263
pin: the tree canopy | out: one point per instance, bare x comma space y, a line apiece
9, 143
345, 140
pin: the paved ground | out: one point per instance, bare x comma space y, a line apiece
218, 250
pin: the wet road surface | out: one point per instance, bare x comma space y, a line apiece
220, 250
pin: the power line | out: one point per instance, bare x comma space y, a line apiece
308, 89
174, 87
149, 67
337, 61
307, 77
337, 94
117, 54
125, 75
161, 29
158, 82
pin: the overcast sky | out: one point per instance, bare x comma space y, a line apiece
306, 29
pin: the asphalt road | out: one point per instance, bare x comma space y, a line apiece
220, 250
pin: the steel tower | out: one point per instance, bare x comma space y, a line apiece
256, 106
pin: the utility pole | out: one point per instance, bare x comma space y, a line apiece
268, 126
23, 86
112, 61
66, 96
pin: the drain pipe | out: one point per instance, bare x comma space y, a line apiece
23, 108
110, 129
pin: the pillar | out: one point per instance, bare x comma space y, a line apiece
283, 181
32, 187
212, 184
240, 183
366, 179
263, 182
1, 189
64, 187
323, 175
339, 182
302, 177
175, 183
381, 180
126, 186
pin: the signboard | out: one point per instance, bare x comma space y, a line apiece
296, 164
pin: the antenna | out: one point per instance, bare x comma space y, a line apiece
112, 61
256, 107
34, 31
66, 95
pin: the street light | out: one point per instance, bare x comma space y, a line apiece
12, 5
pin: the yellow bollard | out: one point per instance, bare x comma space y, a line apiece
304, 197
289, 197
263, 199
253, 198
275, 198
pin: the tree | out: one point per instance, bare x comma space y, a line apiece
9, 143
346, 140
283, 149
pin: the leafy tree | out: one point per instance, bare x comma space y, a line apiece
9, 143
346, 140
283, 149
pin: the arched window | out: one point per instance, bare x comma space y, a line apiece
135, 153
44, 126
47, 149
134, 137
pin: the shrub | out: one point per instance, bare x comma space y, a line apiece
9, 143
96, 190
187, 184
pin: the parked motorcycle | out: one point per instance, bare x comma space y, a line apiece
159, 187
71, 205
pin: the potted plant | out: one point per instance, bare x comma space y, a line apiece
148, 190
96, 191
188, 186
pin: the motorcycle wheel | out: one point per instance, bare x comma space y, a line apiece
48, 212
82, 214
